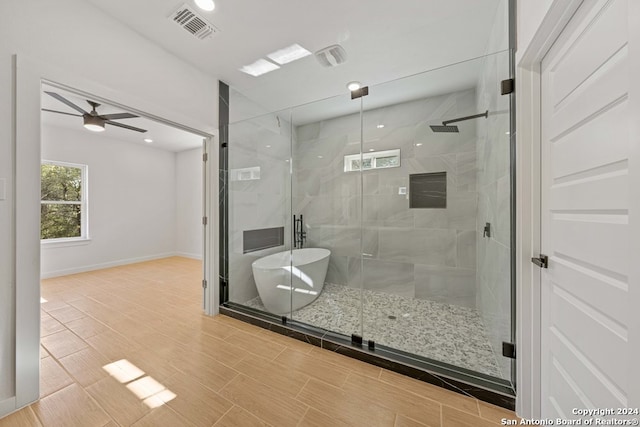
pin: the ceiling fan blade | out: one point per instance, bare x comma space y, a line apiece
120, 125
61, 112
119, 116
66, 101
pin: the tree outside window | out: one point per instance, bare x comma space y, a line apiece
63, 201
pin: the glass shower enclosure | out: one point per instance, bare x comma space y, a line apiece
382, 219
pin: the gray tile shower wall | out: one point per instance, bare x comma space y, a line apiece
259, 192
421, 253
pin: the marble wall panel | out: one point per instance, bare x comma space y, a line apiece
418, 246
454, 286
390, 277
336, 204
459, 215
263, 142
466, 249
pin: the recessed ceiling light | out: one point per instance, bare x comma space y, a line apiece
288, 54
507, 133
371, 149
268, 146
207, 5
419, 144
353, 86
380, 126
148, 140
258, 68
319, 157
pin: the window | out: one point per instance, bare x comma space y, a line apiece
372, 160
245, 174
63, 201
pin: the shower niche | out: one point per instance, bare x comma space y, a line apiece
428, 190
398, 204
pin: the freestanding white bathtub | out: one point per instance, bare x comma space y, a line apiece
289, 280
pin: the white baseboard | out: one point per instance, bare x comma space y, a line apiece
188, 255
7, 406
85, 268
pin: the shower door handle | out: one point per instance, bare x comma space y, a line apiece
542, 261
294, 230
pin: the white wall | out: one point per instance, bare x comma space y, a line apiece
130, 70
530, 14
132, 193
189, 203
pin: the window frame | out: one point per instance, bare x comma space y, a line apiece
373, 155
84, 206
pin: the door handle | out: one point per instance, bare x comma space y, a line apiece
542, 261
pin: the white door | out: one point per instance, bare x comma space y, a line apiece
585, 213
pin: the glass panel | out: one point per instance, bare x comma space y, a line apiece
328, 198
434, 286
60, 221
259, 221
61, 183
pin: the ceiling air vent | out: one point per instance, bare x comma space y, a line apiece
331, 56
193, 23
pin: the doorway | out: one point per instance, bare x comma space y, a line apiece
124, 236
131, 194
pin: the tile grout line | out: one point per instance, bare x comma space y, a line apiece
233, 405
35, 415
305, 413
437, 401
301, 389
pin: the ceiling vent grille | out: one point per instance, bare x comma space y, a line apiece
331, 56
193, 23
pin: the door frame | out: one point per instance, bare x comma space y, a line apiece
528, 87
28, 75
528, 142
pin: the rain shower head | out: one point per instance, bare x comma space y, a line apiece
444, 127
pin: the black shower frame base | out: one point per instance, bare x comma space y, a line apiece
466, 382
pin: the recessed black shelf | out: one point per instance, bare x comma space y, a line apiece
428, 190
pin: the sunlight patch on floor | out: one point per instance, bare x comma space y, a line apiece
147, 389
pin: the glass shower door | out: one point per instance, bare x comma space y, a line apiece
259, 221
436, 217
326, 195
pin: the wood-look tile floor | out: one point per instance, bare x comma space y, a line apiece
129, 346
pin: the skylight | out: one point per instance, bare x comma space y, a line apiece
258, 68
288, 54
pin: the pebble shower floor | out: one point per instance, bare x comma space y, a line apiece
444, 332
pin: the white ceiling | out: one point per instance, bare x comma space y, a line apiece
384, 40
164, 137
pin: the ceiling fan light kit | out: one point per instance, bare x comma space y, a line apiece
92, 120
93, 123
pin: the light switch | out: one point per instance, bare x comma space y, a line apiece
402, 190
3, 189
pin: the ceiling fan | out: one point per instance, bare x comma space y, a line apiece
92, 120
